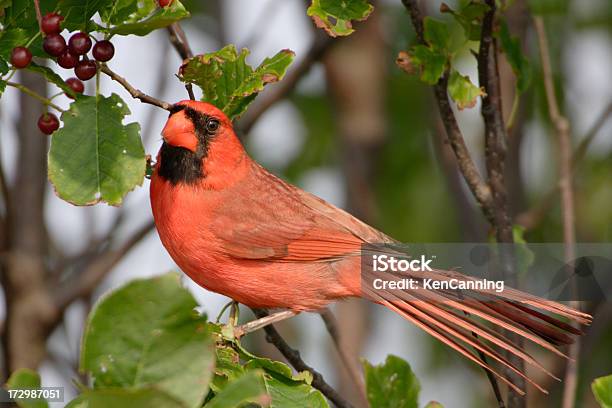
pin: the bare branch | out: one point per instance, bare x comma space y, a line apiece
179, 40
85, 282
332, 328
137, 94
293, 357
282, 89
38, 14
562, 127
531, 218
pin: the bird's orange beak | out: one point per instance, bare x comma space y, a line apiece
180, 132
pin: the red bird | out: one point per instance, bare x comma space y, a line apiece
238, 230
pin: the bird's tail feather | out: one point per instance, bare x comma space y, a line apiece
453, 318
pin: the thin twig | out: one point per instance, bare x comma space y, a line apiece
33, 94
254, 325
84, 283
293, 357
181, 44
562, 128
534, 216
332, 328
137, 94
281, 90
38, 14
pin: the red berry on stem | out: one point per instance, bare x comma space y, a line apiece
85, 69
103, 50
21, 57
79, 43
67, 59
50, 23
48, 123
76, 85
164, 3
54, 44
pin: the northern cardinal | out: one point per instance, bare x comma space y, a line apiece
238, 230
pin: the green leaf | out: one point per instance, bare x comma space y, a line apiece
121, 11
227, 368
26, 379
161, 17
228, 82
95, 157
462, 90
392, 384
125, 398
437, 34
147, 334
285, 389
78, 13
2, 87
517, 60
52, 77
4, 68
602, 389
11, 38
470, 17
431, 62
336, 16
249, 388
525, 256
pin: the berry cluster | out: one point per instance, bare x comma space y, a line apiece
72, 55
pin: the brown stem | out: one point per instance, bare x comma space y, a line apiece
181, 44
38, 13
562, 128
293, 357
83, 284
332, 328
137, 94
495, 156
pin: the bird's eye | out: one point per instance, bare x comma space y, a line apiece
212, 125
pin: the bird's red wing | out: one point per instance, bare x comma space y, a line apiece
286, 224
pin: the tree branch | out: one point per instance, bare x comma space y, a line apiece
531, 218
281, 90
495, 156
84, 283
136, 94
478, 187
332, 328
179, 40
293, 357
562, 127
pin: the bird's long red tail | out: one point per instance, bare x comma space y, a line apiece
455, 318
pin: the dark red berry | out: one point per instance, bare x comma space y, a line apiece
50, 23
54, 44
103, 50
76, 85
79, 43
164, 3
67, 59
85, 69
21, 57
48, 123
